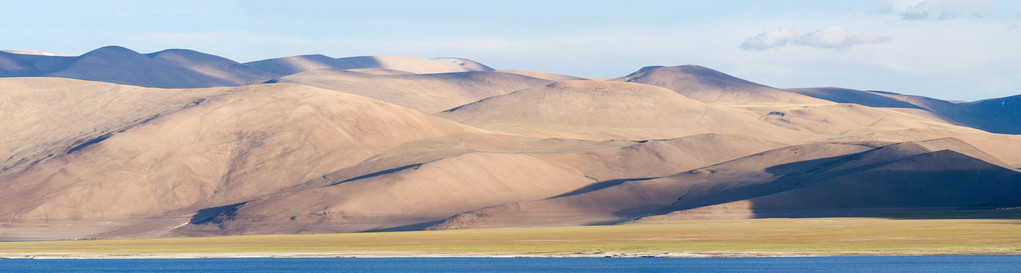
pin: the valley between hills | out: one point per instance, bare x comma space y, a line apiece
116, 144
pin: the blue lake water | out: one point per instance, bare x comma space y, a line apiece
967, 263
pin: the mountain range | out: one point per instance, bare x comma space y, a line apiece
118, 144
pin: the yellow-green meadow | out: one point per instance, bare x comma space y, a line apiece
744, 237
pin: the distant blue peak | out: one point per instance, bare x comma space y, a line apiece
111, 50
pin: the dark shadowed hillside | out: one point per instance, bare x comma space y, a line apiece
999, 115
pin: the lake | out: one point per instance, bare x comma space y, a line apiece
963, 263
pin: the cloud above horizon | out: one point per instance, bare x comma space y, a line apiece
914, 10
837, 37
771, 38
833, 37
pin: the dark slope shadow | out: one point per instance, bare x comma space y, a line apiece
20, 65
357, 62
841, 95
81, 144
207, 215
411, 227
600, 185
978, 190
704, 195
388, 171
997, 115
789, 176
938, 213
1002, 115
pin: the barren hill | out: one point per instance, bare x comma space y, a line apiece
166, 69
49, 117
605, 109
542, 75
711, 86
429, 93
219, 146
661, 157
145, 161
849, 119
466, 64
182, 68
424, 193
312, 144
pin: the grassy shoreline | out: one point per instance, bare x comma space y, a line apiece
699, 238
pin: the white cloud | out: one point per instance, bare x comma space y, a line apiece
937, 9
837, 37
831, 37
917, 11
772, 38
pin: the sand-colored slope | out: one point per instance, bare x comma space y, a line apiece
658, 158
941, 107
231, 146
598, 109
428, 93
423, 193
295, 64
412, 64
542, 75
466, 64
628, 199
50, 117
920, 174
1002, 147
711, 86
848, 119
377, 71
298, 64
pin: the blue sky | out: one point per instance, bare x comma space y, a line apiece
959, 50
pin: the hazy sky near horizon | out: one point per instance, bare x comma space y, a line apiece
947, 49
